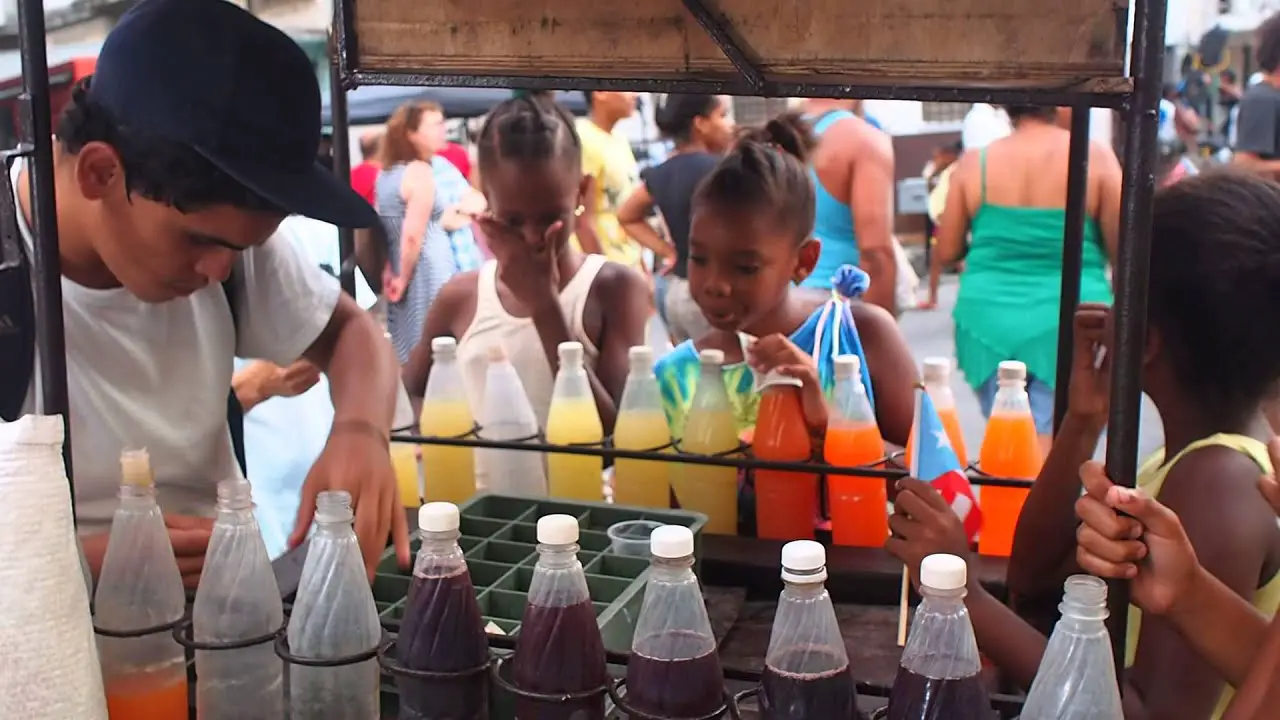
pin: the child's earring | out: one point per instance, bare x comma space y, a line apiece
800, 277
577, 212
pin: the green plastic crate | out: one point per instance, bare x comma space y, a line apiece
500, 544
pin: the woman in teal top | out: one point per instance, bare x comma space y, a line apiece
833, 218
1009, 200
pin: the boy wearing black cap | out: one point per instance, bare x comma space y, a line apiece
174, 164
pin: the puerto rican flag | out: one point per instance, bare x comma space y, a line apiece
935, 462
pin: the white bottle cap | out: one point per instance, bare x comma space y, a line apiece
438, 517
671, 542
444, 345
847, 366
774, 378
640, 354
943, 572
804, 561
1012, 370
711, 356
557, 529
937, 369
570, 353
497, 354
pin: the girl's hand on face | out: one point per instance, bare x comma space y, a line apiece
776, 353
526, 266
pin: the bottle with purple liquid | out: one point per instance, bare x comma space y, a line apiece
674, 671
939, 675
442, 629
559, 649
806, 674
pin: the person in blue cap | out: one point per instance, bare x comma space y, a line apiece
174, 165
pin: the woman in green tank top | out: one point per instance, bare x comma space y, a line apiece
1009, 200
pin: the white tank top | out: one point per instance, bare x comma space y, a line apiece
493, 325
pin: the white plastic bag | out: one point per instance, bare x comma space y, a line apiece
46, 635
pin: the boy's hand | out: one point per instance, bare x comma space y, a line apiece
1146, 545
1089, 396
776, 353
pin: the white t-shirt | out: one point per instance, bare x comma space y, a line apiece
157, 375
983, 125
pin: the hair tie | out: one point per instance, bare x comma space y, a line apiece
850, 281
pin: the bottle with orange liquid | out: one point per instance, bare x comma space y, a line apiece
1010, 449
858, 505
709, 429
140, 587
937, 382
786, 502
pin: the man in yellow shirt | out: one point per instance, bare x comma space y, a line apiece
607, 158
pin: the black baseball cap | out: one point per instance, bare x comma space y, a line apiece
209, 75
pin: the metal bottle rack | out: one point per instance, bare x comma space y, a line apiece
925, 50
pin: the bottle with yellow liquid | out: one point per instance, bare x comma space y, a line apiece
449, 473
140, 587
642, 425
574, 420
709, 429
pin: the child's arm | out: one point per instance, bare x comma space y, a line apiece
892, 368
451, 303
1044, 542
622, 298
1259, 696
1214, 493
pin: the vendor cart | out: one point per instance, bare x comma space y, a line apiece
997, 51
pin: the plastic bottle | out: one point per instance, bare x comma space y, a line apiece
642, 425
85, 569
938, 677
573, 419
404, 462
449, 473
507, 415
334, 617
559, 648
1077, 676
806, 671
1010, 449
674, 671
140, 587
786, 502
937, 382
442, 629
709, 429
858, 505
238, 599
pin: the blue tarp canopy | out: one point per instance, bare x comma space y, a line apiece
372, 104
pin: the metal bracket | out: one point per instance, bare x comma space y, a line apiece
716, 26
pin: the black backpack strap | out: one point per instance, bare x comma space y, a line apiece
17, 307
235, 411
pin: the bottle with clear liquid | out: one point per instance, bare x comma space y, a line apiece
449, 472
574, 419
937, 382
858, 505
139, 587
939, 675
507, 415
238, 599
1077, 676
710, 428
334, 617
559, 648
641, 425
1010, 449
674, 670
442, 629
806, 670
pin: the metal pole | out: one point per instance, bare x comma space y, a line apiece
1072, 255
1131, 273
47, 271
341, 159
